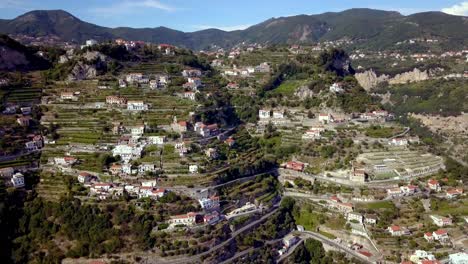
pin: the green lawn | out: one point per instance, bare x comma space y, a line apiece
288, 87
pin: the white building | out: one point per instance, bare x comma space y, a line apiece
146, 167
91, 42
278, 114
188, 219
18, 180
156, 140
84, 177
398, 142
311, 134
137, 130
137, 106
356, 217
209, 203
325, 118
190, 95
264, 114
193, 168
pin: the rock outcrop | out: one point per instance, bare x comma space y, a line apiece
90, 65
303, 92
369, 79
414, 76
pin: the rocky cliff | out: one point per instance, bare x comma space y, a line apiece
89, 66
369, 79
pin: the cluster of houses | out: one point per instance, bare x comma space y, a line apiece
104, 190
263, 67
376, 116
211, 216
406, 190
154, 81
451, 193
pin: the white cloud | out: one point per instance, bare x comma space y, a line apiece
128, 6
224, 28
460, 9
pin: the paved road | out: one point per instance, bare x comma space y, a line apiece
156, 259
335, 245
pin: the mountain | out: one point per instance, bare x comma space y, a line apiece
372, 28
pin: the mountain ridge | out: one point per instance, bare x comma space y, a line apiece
376, 27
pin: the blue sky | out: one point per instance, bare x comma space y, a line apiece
192, 15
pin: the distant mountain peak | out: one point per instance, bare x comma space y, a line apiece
377, 27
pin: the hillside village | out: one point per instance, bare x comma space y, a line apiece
230, 155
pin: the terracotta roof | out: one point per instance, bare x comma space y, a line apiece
395, 228
440, 232
433, 182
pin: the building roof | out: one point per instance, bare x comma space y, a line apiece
433, 182
440, 232
395, 228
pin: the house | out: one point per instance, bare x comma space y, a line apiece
294, 165
180, 126
17, 180
7, 172
134, 77
230, 141
393, 192
156, 140
115, 169
23, 121
211, 153
380, 113
421, 255
206, 130
232, 85
398, 142
264, 67
212, 218
263, 114
209, 203
67, 96
118, 100
137, 130
278, 114
65, 161
26, 110
441, 221
101, 187
84, 177
188, 219
345, 207
441, 235
191, 73
91, 42
428, 236
194, 80
146, 167
358, 175
290, 240
325, 118
408, 189
190, 95
433, 185
453, 193
127, 168
311, 134
193, 168
370, 219
353, 217
137, 106
395, 230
